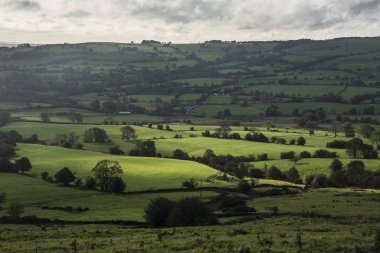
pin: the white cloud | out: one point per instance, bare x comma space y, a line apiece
50, 21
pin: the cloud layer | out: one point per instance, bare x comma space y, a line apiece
52, 21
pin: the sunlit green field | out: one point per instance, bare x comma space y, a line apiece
139, 173
34, 194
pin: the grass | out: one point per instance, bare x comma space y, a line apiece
139, 173
35, 194
313, 165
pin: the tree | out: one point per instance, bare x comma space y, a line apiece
117, 185
90, 184
75, 117
375, 138
95, 134
158, 211
301, 141
223, 131
354, 147
66, 140
45, 117
15, 210
145, 148
190, 211
128, 133
349, 130
366, 131
23, 164
64, 177
356, 173
116, 150
190, 184
5, 118
104, 171
6, 166
180, 154
336, 127
293, 176
337, 176
274, 173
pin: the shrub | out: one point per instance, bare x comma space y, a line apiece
44, 175
287, 155
190, 184
15, 210
244, 187
191, 211
232, 204
305, 154
322, 153
293, 176
158, 211
337, 144
318, 180
257, 173
90, 183
262, 157
301, 141
180, 154
64, 177
117, 185
274, 173
116, 150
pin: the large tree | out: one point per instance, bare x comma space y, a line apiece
105, 171
366, 131
95, 134
64, 177
353, 147
349, 130
128, 133
23, 164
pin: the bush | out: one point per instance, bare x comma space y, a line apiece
232, 204
15, 210
191, 211
337, 144
318, 180
117, 185
301, 141
287, 155
180, 154
293, 176
44, 175
90, 184
322, 153
274, 173
305, 154
190, 184
257, 173
116, 150
158, 211
262, 157
244, 187
64, 177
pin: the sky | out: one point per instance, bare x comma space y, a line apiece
183, 21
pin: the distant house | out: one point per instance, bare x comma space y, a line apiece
125, 113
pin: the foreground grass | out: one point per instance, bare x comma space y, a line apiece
269, 235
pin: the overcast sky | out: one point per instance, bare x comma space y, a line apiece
57, 21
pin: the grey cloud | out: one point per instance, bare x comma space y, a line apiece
24, 5
183, 11
364, 6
